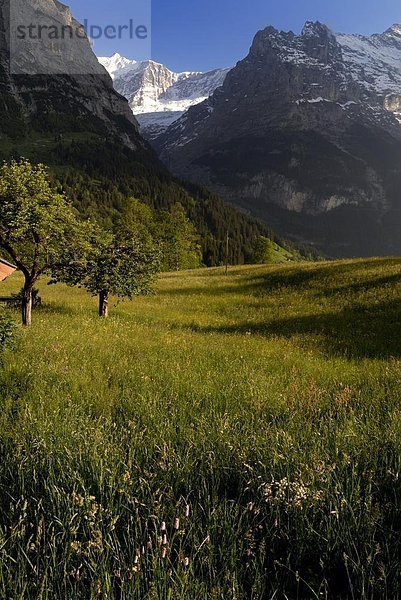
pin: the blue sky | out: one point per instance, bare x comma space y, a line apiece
188, 35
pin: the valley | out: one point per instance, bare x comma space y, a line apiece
200, 320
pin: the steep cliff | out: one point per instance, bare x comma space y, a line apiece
305, 133
58, 86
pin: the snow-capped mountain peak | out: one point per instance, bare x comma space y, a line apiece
116, 64
157, 95
374, 61
394, 30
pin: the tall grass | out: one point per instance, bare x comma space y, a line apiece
228, 438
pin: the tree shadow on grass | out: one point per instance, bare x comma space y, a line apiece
54, 309
295, 278
355, 333
248, 285
363, 286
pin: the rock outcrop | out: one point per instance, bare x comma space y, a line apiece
54, 84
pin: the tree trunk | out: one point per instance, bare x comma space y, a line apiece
104, 305
27, 305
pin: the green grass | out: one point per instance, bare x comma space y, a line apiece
268, 401
281, 255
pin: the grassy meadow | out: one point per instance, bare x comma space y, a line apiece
228, 438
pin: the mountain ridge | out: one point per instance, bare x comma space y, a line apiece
300, 136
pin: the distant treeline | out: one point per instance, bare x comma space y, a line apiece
101, 175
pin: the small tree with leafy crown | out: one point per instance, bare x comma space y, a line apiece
39, 229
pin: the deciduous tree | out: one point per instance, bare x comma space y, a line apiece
118, 264
38, 227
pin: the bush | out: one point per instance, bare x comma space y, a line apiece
7, 330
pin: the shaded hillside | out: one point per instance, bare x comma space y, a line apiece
82, 128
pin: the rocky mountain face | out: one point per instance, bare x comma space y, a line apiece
305, 133
156, 95
57, 85
58, 106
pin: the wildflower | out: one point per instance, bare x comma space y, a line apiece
164, 552
165, 541
163, 527
149, 545
177, 523
94, 507
295, 493
186, 511
186, 561
77, 499
75, 546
